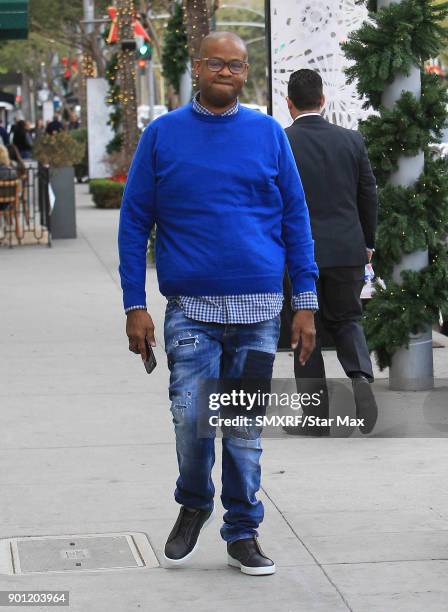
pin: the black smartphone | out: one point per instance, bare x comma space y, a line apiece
151, 362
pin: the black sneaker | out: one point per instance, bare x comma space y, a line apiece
365, 403
248, 556
183, 539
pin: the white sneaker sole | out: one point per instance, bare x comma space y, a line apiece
179, 562
251, 571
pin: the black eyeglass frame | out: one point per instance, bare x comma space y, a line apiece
224, 64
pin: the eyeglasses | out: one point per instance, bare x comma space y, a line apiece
215, 64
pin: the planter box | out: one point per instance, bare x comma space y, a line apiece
63, 217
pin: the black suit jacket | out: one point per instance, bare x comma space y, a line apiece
340, 190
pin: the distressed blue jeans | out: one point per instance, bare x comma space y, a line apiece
197, 351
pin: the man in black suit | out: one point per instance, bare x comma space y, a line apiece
341, 193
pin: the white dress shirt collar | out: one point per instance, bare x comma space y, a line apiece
308, 115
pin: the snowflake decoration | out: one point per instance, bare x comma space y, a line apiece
308, 35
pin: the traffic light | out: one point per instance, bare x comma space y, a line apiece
142, 65
145, 51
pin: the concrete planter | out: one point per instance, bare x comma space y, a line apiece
63, 217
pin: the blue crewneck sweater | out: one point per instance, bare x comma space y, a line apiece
229, 206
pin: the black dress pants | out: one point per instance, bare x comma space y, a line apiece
340, 313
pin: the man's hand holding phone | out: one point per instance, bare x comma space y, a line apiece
140, 330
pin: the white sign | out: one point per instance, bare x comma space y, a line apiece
307, 34
99, 133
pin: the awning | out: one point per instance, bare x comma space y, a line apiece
13, 19
9, 98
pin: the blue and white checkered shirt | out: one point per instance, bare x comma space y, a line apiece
237, 309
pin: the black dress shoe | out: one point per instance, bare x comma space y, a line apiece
183, 539
248, 556
365, 403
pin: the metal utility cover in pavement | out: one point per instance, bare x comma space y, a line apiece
77, 553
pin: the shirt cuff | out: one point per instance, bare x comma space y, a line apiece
134, 308
305, 301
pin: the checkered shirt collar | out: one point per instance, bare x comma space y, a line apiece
197, 106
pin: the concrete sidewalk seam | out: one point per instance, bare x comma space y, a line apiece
319, 565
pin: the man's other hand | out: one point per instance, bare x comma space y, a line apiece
303, 330
139, 326
369, 254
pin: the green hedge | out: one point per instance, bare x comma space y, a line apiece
106, 193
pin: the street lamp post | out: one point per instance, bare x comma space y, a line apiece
89, 16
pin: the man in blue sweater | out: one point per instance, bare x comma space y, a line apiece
221, 183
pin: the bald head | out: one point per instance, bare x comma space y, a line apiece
222, 38
221, 70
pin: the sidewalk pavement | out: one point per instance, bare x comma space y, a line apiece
87, 446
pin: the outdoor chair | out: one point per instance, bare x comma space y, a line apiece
9, 208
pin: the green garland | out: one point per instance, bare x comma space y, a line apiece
400, 310
406, 129
175, 49
397, 38
424, 225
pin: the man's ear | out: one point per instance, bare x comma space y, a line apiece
196, 66
322, 102
291, 106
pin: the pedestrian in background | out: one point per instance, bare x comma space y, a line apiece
7, 173
39, 129
16, 161
55, 126
4, 136
22, 139
73, 124
341, 193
